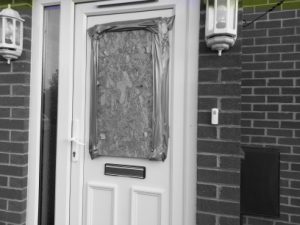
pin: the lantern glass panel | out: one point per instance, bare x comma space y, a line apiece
18, 32
221, 14
232, 12
1, 30
9, 31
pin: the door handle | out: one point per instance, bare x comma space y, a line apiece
74, 139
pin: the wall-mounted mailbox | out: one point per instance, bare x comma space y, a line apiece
125, 171
260, 181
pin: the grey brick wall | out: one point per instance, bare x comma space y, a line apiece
218, 157
14, 112
271, 96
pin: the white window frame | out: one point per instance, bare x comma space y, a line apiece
64, 123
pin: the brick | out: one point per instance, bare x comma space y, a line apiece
289, 141
207, 132
247, 58
230, 193
19, 136
291, 22
4, 135
291, 56
295, 184
208, 75
3, 181
287, 157
252, 131
229, 118
20, 113
291, 39
292, 125
4, 158
13, 147
3, 204
267, 57
255, 33
265, 107
261, 139
20, 78
18, 159
204, 118
14, 101
213, 61
290, 175
268, 24
266, 74
280, 82
12, 193
230, 133
246, 107
13, 124
207, 219
4, 90
12, 217
218, 207
295, 219
230, 104
280, 99
204, 190
266, 124
254, 49
253, 99
282, 15
229, 221
280, 65
16, 182
21, 66
4, 112
221, 147
246, 91
231, 75
280, 132
266, 91
219, 89
21, 90
17, 206
280, 48
295, 91
296, 167
207, 103
206, 160
291, 73
247, 41
253, 82
230, 162
259, 221
267, 40
254, 66
218, 176
291, 108
13, 170
253, 115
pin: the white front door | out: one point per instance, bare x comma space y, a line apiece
99, 199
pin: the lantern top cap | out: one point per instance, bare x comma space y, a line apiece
9, 12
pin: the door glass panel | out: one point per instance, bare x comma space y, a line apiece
49, 115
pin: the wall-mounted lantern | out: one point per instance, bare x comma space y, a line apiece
221, 24
11, 34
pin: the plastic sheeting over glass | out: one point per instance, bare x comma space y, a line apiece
130, 89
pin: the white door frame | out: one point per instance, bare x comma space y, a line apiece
189, 129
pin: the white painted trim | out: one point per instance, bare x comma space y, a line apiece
64, 120
189, 116
35, 114
191, 103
